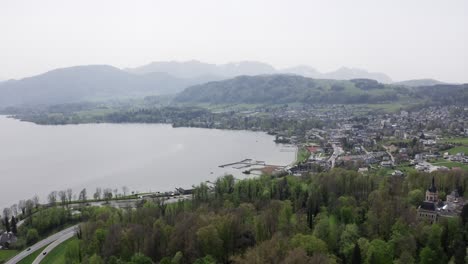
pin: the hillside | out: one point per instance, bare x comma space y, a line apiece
282, 88
88, 83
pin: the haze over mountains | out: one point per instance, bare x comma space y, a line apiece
195, 68
103, 82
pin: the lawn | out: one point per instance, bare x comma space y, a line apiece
7, 254
57, 255
29, 259
459, 149
302, 155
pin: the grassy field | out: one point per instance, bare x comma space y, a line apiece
57, 255
29, 259
459, 149
463, 141
450, 164
7, 254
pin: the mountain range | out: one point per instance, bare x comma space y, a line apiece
191, 69
103, 82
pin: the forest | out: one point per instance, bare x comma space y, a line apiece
338, 216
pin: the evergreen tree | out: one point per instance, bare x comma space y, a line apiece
356, 258
6, 223
14, 228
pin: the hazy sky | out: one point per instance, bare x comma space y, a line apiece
406, 39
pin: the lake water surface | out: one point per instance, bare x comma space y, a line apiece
38, 159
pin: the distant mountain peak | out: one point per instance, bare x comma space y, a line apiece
419, 82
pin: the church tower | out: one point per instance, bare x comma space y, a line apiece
432, 195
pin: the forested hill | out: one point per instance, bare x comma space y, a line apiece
289, 89
281, 88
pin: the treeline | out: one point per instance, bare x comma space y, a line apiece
181, 117
333, 217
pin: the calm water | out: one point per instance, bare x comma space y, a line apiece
38, 159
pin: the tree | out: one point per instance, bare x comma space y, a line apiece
83, 196
107, 194
14, 210
6, 217
97, 194
14, 227
416, 197
32, 236
348, 240
35, 201
22, 206
379, 252
209, 241
139, 258
52, 197
63, 197
6, 223
69, 195
464, 214
428, 256
356, 257
309, 243
96, 259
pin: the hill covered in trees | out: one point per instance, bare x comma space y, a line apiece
275, 89
283, 88
333, 217
88, 83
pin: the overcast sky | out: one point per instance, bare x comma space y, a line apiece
405, 39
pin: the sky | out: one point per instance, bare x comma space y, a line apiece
406, 39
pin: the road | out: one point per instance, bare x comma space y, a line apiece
58, 238
42, 243
54, 244
387, 149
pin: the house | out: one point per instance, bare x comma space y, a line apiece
6, 239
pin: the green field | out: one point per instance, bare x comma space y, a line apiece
29, 259
57, 255
7, 254
456, 150
463, 141
450, 164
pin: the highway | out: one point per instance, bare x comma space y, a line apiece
52, 246
66, 232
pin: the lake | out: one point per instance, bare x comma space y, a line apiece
36, 159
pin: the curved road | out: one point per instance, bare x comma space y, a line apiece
52, 246
69, 232
60, 237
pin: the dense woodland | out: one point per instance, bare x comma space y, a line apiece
334, 217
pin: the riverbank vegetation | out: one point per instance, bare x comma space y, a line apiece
333, 217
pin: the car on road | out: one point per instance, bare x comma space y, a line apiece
28, 249
43, 253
